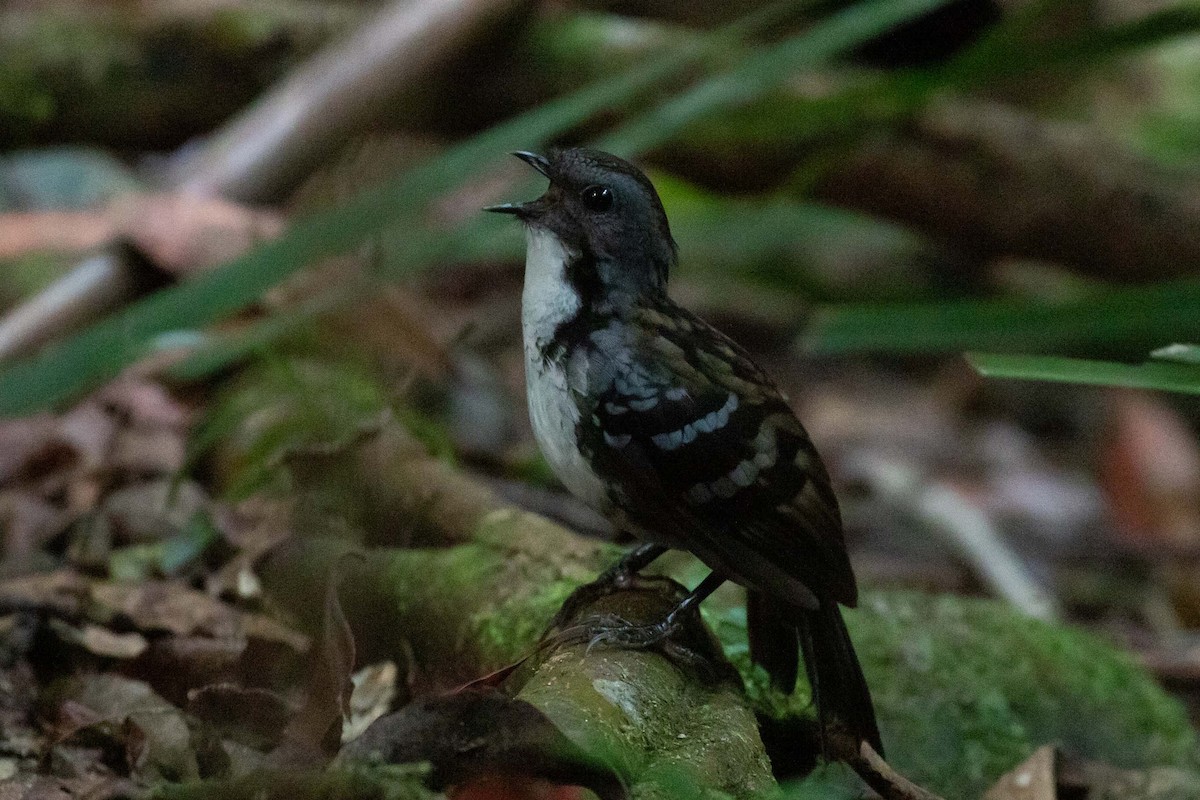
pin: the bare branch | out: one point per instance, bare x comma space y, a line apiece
277, 140
998, 179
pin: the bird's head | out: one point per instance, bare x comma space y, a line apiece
605, 208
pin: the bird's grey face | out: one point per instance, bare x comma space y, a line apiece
605, 208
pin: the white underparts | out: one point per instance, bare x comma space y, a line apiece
547, 301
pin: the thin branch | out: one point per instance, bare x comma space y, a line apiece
93, 287
880, 776
274, 143
972, 534
1001, 180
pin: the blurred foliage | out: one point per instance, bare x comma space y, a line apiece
65, 69
287, 407
63, 370
1173, 369
731, 85
1129, 320
965, 689
62, 178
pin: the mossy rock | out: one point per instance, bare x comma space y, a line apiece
966, 689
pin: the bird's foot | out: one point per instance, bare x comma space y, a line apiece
613, 580
612, 630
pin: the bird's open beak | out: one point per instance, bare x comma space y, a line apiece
542, 165
516, 209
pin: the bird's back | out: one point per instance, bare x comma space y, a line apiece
700, 450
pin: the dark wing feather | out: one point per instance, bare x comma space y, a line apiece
703, 453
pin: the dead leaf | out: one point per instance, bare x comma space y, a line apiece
240, 712
1051, 775
471, 737
175, 665
174, 607
169, 606
92, 787
184, 233
52, 231
1150, 470
180, 232
1032, 779
154, 510
101, 641
28, 522
144, 403
149, 451
314, 733
264, 628
88, 429
255, 527
374, 692
29, 445
62, 592
153, 732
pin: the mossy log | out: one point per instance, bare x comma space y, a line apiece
150, 78
965, 689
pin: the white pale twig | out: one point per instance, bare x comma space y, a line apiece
274, 143
945, 510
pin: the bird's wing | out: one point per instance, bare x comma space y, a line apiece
703, 451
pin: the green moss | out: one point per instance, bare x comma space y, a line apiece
517, 623
965, 689
282, 408
668, 735
363, 781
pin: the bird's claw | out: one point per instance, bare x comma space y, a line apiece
615, 631
608, 583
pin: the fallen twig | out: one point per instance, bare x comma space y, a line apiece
274, 143
879, 775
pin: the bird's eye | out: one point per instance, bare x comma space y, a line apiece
597, 198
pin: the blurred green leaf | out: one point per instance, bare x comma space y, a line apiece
1019, 46
64, 370
166, 557
212, 353
1130, 319
764, 70
1161, 375
287, 406
1179, 353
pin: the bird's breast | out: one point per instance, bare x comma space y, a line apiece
555, 378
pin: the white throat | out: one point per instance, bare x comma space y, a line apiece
548, 299
553, 386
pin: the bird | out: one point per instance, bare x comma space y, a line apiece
656, 419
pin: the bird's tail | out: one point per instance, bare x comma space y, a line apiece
839, 690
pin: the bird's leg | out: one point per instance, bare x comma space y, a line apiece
618, 576
637, 559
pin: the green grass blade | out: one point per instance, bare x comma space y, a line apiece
766, 70
1178, 353
65, 369
1158, 375
1005, 56
1135, 319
